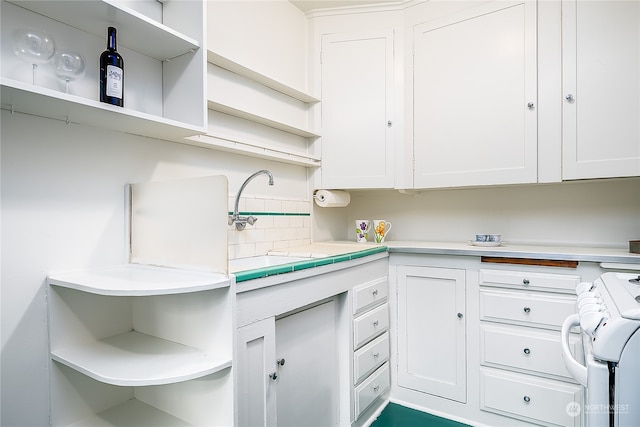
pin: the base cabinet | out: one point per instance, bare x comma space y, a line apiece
432, 341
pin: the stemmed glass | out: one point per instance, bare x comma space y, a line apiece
69, 66
34, 46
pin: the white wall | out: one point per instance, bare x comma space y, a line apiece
602, 213
63, 208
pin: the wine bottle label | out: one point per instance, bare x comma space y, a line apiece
114, 81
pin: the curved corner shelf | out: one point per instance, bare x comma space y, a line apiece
139, 280
264, 80
94, 17
137, 359
44, 102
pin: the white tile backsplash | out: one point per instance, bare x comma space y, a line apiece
274, 228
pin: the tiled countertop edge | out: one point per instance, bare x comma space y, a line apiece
260, 273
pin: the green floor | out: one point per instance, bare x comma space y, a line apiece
399, 416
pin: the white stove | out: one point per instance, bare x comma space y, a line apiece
609, 320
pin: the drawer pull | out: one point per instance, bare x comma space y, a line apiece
376, 388
527, 310
527, 351
525, 282
527, 399
375, 323
376, 355
375, 292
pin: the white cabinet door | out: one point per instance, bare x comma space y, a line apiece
601, 83
431, 331
255, 366
307, 383
357, 91
474, 97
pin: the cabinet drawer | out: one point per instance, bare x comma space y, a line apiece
370, 324
369, 357
527, 280
370, 294
523, 348
528, 398
374, 386
526, 308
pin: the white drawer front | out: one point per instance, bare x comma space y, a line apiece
367, 392
529, 398
370, 294
523, 348
527, 280
370, 324
526, 308
369, 357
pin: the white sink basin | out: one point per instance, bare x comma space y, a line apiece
263, 261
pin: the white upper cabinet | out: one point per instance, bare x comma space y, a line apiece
474, 97
161, 43
357, 102
601, 89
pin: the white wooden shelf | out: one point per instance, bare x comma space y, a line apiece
240, 69
139, 280
136, 359
143, 34
252, 149
262, 120
26, 98
133, 412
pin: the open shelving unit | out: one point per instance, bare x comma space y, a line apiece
164, 87
140, 337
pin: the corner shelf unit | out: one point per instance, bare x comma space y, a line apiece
242, 93
164, 64
130, 341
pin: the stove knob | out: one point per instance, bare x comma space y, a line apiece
583, 287
590, 321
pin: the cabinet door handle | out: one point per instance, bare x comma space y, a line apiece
460, 315
526, 351
375, 292
376, 355
527, 310
569, 97
375, 323
280, 362
527, 399
389, 123
525, 282
531, 105
273, 376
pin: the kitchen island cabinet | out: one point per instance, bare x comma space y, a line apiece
601, 89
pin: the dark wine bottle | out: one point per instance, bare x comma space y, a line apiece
112, 72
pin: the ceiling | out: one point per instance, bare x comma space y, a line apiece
308, 5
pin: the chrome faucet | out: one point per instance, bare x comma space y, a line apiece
242, 221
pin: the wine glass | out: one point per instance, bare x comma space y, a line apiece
33, 46
69, 66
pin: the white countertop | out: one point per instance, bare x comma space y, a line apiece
569, 253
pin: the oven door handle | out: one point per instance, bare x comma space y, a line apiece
575, 368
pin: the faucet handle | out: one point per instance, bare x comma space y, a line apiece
251, 220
